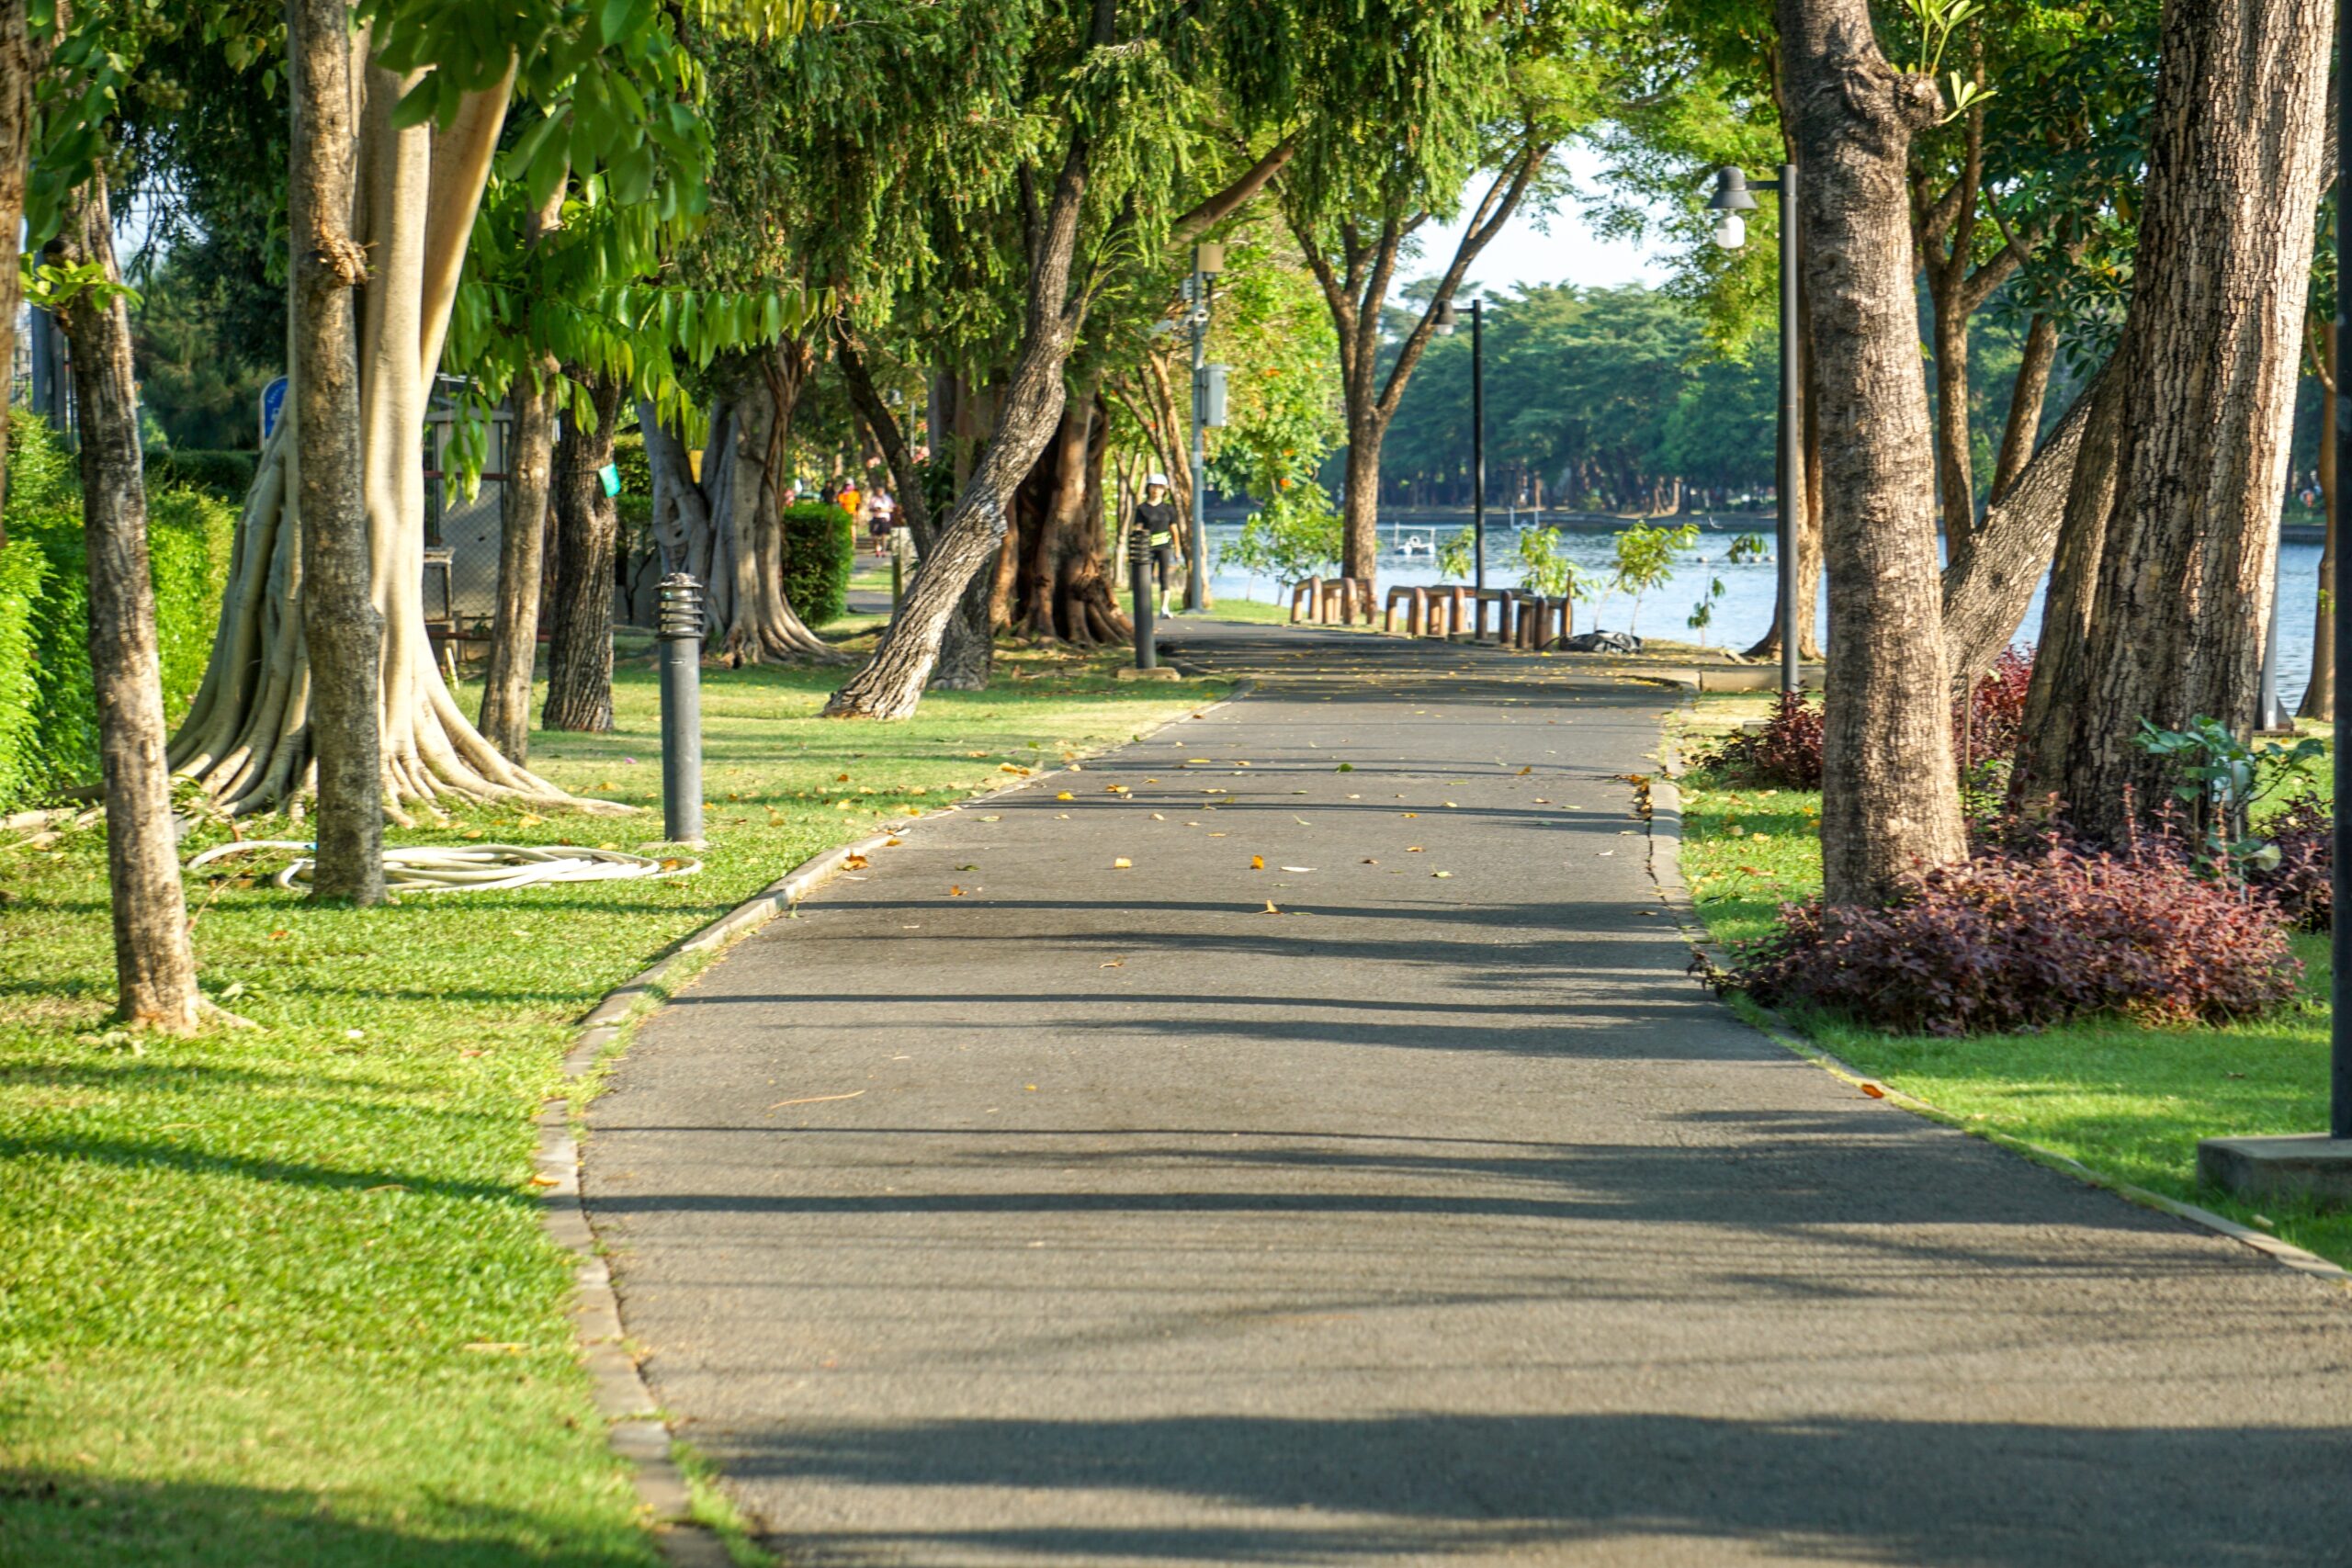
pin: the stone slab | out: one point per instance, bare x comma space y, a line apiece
2310, 1166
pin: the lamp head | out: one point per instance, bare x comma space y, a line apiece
1445, 319
1731, 199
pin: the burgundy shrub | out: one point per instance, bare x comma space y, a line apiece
1785, 753
1986, 729
2007, 942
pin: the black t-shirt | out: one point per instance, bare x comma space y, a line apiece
1158, 521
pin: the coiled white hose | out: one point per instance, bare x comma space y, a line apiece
473, 868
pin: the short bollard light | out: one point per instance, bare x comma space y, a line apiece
1146, 638
680, 630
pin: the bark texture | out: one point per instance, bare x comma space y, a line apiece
514, 629
579, 643
1988, 588
155, 967
2027, 394
343, 629
248, 737
1890, 797
2162, 589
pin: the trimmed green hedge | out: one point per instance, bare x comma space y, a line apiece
48, 721
820, 550
229, 475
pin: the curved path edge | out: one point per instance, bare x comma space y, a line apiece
1665, 813
637, 1431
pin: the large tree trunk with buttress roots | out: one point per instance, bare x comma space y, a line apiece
1063, 591
1889, 794
2163, 587
726, 527
580, 643
248, 739
155, 967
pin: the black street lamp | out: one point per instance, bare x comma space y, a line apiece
1445, 324
1731, 199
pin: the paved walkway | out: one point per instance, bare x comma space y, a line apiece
1435, 1218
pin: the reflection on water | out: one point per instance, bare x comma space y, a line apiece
1745, 611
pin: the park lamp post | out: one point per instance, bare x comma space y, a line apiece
1733, 198
1208, 260
1445, 322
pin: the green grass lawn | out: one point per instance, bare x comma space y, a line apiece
2130, 1101
280, 1296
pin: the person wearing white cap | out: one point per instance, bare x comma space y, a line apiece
1156, 521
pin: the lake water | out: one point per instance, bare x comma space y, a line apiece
1745, 611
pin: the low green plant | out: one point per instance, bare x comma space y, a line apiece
1544, 567
1646, 555
2224, 780
1455, 557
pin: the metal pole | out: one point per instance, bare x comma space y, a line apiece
1791, 432
2340, 984
1145, 592
680, 630
1196, 589
1478, 450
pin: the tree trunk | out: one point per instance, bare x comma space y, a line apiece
743, 476
248, 737
515, 630
1360, 503
2165, 618
1955, 479
1890, 797
892, 681
342, 627
579, 643
2026, 395
154, 967
2319, 697
1989, 590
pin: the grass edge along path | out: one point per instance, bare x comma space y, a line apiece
2126, 1102
283, 1295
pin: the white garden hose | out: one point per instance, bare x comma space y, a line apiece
473, 868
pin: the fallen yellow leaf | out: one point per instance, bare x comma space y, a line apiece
1257, 863
1064, 795
1122, 863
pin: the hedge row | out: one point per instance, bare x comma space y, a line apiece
819, 550
48, 721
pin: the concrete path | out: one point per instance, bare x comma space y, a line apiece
1102, 1216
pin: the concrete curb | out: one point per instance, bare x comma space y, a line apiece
637, 1429
1666, 872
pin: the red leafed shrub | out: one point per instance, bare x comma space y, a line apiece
1785, 753
1986, 729
2007, 942
2300, 885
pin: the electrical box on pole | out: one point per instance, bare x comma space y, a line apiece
1209, 397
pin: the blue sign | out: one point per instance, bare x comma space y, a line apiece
273, 403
